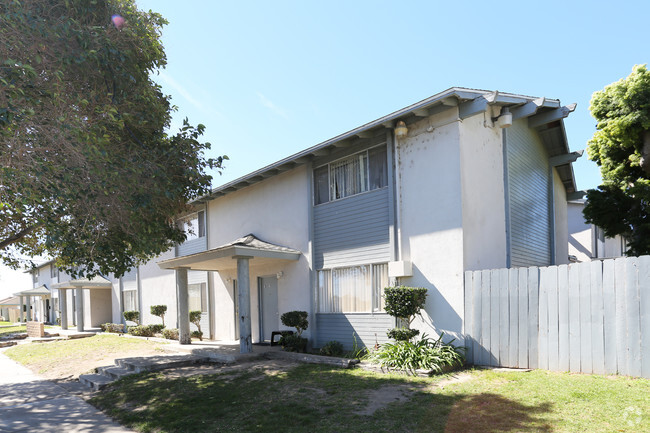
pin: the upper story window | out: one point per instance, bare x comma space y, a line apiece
194, 225
54, 271
361, 172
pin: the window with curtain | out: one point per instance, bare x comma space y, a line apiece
197, 297
354, 289
130, 300
355, 174
194, 225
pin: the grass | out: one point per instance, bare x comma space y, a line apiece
311, 398
73, 357
6, 323
12, 330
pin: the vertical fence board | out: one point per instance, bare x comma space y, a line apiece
633, 317
513, 303
597, 320
477, 305
504, 318
586, 363
621, 317
644, 304
563, 317
485, 318
522, 277
609, 322
574, 318
553, 326
494, 319
590, 317
544, 283
468, 322
533, 316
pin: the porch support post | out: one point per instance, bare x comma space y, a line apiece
22, 313
80, 309
183, 307
29, 308
243, 283
63, 306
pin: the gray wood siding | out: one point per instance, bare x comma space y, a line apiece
368, 328
528, 180
192, 247
352, 231
590, 317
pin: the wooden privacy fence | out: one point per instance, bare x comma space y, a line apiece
591, 317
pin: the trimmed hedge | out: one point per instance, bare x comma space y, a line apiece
170, 333
132, 316
116, 328
404, 302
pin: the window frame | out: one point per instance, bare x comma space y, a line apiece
367, 169
376, 305
188, 221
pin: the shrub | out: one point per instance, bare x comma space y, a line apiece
132, 316
404, 303
332, 348
293, 343
197, 334
170, 333
117, 328
141, 331
295, 319
159, 310
195, 317
402, 334
156, 329
427, 354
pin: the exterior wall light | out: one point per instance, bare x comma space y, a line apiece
279, 275
505, 118
401, 130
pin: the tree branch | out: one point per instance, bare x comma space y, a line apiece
18, 236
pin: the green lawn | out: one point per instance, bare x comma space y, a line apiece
312, 398
69, 358
6, 323
12, 330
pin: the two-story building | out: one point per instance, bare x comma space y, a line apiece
464, 180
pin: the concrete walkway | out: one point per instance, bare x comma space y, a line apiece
31, 404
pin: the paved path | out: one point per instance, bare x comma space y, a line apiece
30, 404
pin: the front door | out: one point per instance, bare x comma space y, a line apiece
47, 310
269, 315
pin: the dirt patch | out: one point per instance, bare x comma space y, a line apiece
382, 397
455, 378
269, 368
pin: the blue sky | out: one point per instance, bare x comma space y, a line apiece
269, 79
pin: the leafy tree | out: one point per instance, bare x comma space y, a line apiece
88, 173
159, 310
195, 318
404, 303
621, 147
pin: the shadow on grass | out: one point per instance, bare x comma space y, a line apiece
306, 398
492, 413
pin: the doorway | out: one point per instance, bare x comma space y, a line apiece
269, 315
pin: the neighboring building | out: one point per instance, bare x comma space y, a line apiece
587, 241
464, 180
10, 309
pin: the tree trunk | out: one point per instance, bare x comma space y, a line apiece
645, 153
16, 237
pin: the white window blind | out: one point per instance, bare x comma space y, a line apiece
355, 289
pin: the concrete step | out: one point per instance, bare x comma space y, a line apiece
95, 381
114, 372
157, 363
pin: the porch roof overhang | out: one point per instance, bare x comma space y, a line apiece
38, 291
84, 283
11, 301
221, 258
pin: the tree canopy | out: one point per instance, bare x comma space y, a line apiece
621, 147
89, 174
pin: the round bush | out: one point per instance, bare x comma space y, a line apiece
404, 302
295, 319
402, 334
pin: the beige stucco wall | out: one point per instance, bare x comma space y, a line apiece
157, 287
277, 211
483, 197
429, 201
561, 223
